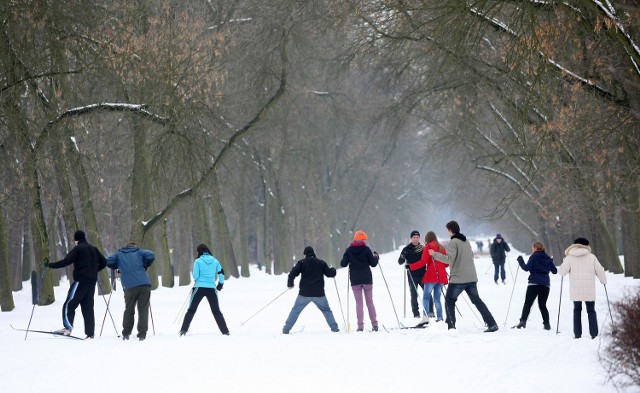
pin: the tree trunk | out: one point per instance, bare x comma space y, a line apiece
243, 224
225, 246
6, 296
167, 271
630, 234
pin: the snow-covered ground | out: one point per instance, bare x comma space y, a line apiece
258, 357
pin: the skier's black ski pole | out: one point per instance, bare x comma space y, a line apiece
183, 306
265, 306
113, 288
390, 297
511, 297
614, 331
339, 302
348, 282
109, 311
35, 298
559, 304
153, 325
404, 303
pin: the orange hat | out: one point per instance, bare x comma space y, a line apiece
360, 235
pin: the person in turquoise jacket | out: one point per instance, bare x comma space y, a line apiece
206, 269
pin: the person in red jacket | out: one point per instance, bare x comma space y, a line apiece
435, 276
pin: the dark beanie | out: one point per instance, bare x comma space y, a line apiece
581, 240
308, 251
79, 236
414, 233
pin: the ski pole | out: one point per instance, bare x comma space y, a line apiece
404, 302
37, 297
339, 301
415, 288
265, 306
348, 281
390, 297
511, 297
113, 288
614, 331
105, 314
109, 311
488, 268
153, 325
184, 305
559, 304
510, 269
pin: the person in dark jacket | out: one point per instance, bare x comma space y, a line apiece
206, 271
87, 261
412, 253
499, 249
132, 263
539, 266
313, 271
360, 260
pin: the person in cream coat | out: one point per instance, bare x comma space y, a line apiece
582, 267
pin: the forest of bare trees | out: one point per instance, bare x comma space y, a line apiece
260, 127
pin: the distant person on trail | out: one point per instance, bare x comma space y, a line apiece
206, 269
360, 259
480, 245
499, 249
313, 271
435, 276
412, 253
463, 277
582, 267
539, 266
87, 261
132, 263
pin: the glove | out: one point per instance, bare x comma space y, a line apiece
219, 287
375, 254
407, 266
520, 259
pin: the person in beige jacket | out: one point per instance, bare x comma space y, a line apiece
583, 267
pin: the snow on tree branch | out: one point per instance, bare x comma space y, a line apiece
139, 109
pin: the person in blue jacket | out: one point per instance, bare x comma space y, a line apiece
131, 263
206, 269
539, 265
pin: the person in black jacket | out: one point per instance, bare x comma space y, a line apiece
360, 260
539, 266
499, 249
87, 261
412, 253
313, 271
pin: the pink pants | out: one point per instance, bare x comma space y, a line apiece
367, 289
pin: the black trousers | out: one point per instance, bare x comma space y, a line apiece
80, 294
577, 319
542, 293
212, 297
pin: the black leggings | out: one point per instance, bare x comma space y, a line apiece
212, 297
542, 293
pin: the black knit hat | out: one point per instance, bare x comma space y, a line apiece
581, 240
308, 251
414, 233
79, 236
